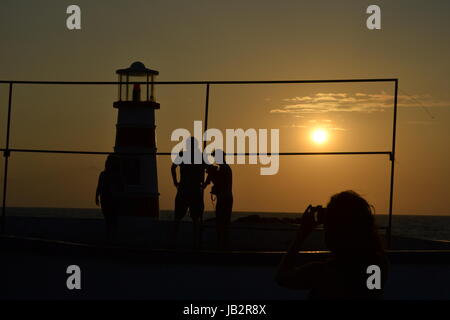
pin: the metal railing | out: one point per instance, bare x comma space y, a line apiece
208, 84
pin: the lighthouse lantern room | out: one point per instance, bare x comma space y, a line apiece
135, 144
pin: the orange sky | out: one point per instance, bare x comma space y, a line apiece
263, 40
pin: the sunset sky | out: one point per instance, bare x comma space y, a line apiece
236, 40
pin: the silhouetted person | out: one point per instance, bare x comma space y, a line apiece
107, 194
352, 238
189, 190
222, 178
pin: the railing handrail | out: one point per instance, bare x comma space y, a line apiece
176, 153
201, 82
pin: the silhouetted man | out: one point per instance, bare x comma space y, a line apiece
222, 178
189, 189
108, 188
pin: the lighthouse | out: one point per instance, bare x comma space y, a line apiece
135, 143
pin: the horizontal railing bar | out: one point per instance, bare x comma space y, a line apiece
84, 152
170, 153
196, 82
306, 153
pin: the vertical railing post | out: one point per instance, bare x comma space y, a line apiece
392, 158
6, 156
206, 112
204, 145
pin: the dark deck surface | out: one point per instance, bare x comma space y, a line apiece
36, 269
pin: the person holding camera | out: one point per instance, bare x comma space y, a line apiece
351, 236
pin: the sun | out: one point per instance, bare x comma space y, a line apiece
319, 136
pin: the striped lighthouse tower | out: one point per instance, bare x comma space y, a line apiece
135, 144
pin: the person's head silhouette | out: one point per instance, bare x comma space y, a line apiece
349, 225
109, 163
112, 163
192, 144
219, 156
193, 151
191, 154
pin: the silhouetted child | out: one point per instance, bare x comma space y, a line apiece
222, 178
352, 238
107, 194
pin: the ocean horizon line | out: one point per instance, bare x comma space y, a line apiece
212, 211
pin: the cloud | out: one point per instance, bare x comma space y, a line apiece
426, 123
358, 102
318, 123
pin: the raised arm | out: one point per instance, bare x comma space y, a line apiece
173, 170
99, 187
209, 169
288, 273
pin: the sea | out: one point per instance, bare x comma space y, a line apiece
428, 227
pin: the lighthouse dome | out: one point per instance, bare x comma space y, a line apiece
137, 68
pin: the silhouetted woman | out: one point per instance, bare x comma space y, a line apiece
352, 238
109, 185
